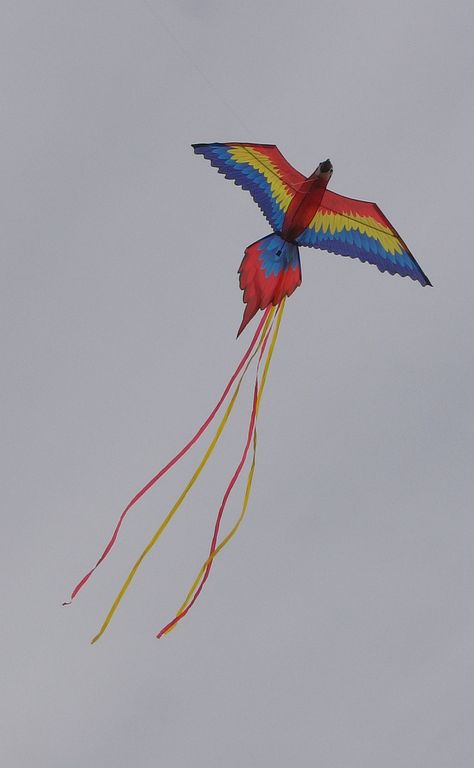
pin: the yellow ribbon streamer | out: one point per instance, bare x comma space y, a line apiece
188, 487
248, 486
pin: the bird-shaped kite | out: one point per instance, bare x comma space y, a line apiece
301, 212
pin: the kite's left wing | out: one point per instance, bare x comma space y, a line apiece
262, 170
360, 230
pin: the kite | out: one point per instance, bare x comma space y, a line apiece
302, 212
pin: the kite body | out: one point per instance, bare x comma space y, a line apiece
306, 201
302, 212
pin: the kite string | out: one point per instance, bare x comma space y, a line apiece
174, 460
269, 316
252, 432
185, 53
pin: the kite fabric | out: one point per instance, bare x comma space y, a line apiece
301, 212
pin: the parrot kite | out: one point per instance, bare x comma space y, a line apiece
301, 212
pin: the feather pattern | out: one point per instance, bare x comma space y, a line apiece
262, 170
269, 271
360, 230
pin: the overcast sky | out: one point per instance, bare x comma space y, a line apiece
337, 628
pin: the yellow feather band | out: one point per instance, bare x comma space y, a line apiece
366, 225
265, 166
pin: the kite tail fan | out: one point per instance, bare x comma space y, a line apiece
270, 270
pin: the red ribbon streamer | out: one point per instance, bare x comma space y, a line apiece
173, 461
227, 493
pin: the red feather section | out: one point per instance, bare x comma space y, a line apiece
269, 271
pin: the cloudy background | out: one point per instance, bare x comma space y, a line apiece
337, 628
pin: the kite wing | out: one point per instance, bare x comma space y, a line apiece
360, 230
262, 170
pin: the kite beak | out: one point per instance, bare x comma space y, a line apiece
325, 170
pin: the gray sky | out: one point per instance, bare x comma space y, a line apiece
337, 628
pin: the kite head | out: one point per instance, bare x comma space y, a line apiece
325, 169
